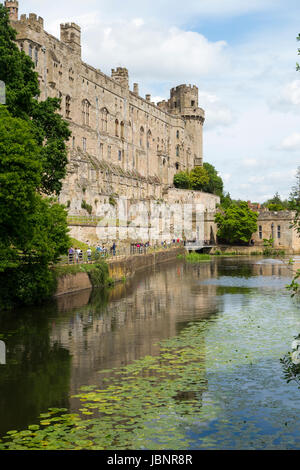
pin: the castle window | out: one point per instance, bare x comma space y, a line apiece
36, 56
86, 112
30, 51
22, 46
101, 150
73, 143
68, 106
142, 132
177, 134
84, 144
122, 130
260, 232
193, 103
278, 231
120, 155
177, 151
149, 135
109, 152
104, 114
116, 128
177, 166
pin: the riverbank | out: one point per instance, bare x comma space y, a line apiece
76, 278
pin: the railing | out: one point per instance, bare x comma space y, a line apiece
198, 243
135, 249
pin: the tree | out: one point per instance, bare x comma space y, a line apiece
199, 178
236, 223
276, 203
16, 71
51, 133
22, 90
182, 180
225, 200
33, 229
215, 184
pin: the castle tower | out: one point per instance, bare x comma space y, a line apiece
184, 102
120, 75
70, 33
13, 9
184, 99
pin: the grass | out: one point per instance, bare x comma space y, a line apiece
97, 272
195, 257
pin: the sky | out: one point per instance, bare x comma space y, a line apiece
241, 54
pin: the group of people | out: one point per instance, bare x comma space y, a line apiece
76, 255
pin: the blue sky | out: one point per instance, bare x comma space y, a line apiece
240, 53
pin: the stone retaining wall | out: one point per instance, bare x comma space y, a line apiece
118, 270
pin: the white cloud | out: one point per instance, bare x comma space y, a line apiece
216, 113
149, 50
292, 142
250, 162
291, 92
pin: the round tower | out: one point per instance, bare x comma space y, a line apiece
13, 9
184, 102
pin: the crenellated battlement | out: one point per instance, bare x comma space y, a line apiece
32, 19
68, 26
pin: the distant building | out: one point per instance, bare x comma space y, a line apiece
277, 225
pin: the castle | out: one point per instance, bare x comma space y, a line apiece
122, 145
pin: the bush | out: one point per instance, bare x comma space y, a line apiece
87, 207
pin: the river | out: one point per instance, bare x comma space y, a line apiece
190, 353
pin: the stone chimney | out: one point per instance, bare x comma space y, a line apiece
148, 98
136, 89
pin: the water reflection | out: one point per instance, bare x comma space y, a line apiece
53, 352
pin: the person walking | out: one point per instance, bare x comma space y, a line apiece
71, 255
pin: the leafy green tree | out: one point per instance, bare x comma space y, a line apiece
33, 229
22, 90
215, 184
182, 180
16, 71
236, 223
226, 200
52, 132
199, 178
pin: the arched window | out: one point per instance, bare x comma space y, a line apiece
177, 151
177, 134
122, 130
36, 56
149, 137
30, 51
116, 128
68, 106
142, 134
177, 166
86, 112
104, 114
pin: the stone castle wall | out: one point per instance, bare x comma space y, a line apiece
122, 145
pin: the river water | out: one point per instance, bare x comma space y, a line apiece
235, 312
